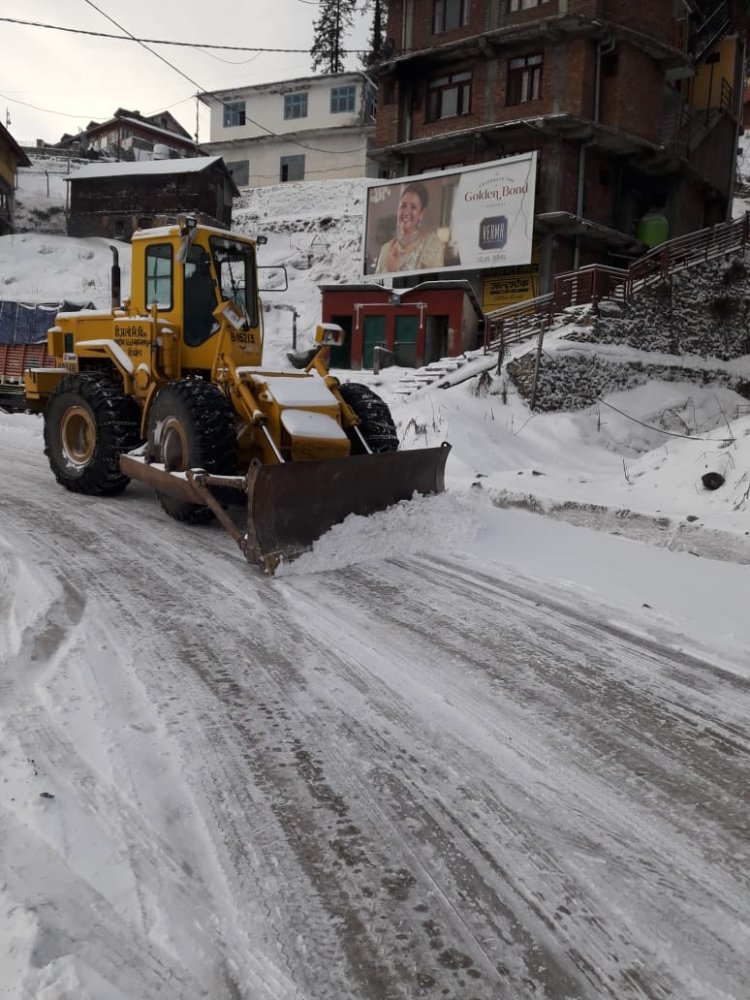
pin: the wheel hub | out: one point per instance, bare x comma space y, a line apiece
78, 436
173, 446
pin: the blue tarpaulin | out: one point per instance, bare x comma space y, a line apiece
27, 324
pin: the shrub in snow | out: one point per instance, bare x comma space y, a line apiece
702, 310
576, 382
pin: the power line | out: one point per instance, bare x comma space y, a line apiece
128, 37
49, 111
144, 45
674, 434
223, 103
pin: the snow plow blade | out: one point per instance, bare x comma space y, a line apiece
290, 505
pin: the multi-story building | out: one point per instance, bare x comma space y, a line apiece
313, 128
633, 107
129, 135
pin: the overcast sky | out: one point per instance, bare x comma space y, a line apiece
52, 82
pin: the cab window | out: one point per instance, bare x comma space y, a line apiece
159, 276
235, 266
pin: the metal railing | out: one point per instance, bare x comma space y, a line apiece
591, 284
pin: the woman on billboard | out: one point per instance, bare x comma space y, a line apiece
412, 248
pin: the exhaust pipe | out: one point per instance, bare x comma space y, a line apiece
115, 279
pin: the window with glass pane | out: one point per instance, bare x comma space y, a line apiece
292, 168
342, 99
524, 79
450, 14
159, 275
235, 266
525, 4
234, 114
295, 106
240, 171
449, 96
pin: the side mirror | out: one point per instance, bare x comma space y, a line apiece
272, 278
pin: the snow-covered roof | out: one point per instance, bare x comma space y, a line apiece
300, 81
146, 126
129, 168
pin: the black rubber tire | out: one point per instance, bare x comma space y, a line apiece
192, 426
377, 426
88, 423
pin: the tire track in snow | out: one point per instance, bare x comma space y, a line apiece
540, 694
502, 802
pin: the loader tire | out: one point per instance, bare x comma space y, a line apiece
191, 426
377, 426
88, 423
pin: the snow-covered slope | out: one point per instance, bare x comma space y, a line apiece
639, 446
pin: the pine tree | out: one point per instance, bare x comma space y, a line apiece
336, 17
379, 12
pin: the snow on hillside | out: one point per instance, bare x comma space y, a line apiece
42, 195
638, 451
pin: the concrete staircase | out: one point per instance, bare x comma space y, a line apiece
418, 378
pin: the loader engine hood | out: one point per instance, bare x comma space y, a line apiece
308, 414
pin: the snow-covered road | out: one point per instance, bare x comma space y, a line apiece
420, 776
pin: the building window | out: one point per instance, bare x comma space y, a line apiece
159, 275
292, 168
342, 99
449, 14
448, 96
240, 171
525, 4
295, 106
524, 79
234, 114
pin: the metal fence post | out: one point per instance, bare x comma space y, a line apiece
537, 363
501, 349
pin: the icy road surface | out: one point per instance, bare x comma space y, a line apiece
413, 777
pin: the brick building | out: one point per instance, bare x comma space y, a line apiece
633, 107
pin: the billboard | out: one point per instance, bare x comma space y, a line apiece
455, 220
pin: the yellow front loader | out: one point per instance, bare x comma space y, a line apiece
168, 388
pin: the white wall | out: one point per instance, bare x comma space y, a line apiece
264, 107
334, 145
335, 155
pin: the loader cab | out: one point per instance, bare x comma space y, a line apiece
186, 273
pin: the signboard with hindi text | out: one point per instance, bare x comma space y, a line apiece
512, 284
